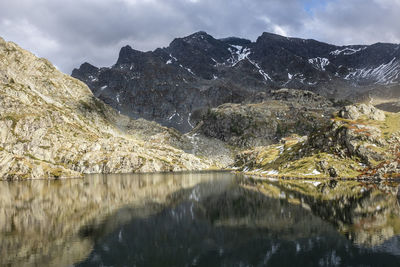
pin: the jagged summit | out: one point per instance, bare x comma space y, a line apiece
128, 55
198, 71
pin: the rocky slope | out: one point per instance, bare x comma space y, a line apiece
281, 113
359, 141
51, 125
198, 72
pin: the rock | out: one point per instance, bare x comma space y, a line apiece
354, 112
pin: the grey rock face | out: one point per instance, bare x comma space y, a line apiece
258, 124
171, 85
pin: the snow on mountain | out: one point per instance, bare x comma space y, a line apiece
319, 63
347, 51
383, 74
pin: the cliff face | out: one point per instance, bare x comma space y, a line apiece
51, 125
283, 113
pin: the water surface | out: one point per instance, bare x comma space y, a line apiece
198, 219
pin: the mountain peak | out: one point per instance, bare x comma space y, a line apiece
127, 54
200, 36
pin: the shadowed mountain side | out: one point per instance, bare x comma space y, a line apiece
197, 72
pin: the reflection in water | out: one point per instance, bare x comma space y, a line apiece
41, 222
203, 219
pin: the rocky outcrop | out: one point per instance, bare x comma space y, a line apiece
197, 72
264, 123
354, 112
359, 141
52, 126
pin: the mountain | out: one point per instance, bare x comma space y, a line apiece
175, 84
52, 126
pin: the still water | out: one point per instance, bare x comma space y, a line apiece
198, 219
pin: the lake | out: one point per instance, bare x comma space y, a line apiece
198, 219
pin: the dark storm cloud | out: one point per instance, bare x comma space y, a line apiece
71, 32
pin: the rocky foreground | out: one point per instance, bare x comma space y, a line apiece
52, 126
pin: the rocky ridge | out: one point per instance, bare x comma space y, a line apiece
283, 112
52, 126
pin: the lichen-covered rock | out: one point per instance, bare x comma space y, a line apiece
354, 112
52, 126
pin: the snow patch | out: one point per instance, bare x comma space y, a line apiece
173, 115
347, 51
238, 54
171, 60
319, 63
188, 120
383, 74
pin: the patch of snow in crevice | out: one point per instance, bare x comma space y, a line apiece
189, 70
173, 115
319, 63
383, 74
103, 88
346, 51
261, 71
188, 120
290, 76
238, 54
171, 60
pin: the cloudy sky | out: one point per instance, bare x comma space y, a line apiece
70, 32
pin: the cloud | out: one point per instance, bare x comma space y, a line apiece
355, 22
70, 32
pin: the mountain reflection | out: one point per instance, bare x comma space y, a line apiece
42, 222
204, 219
